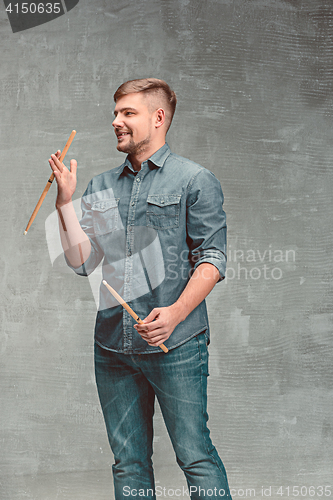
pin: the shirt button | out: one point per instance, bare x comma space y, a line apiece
133, 203
138, 179
129, 254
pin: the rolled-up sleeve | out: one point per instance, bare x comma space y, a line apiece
206, 221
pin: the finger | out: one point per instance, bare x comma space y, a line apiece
58, 164
148, 328
73, 166
144, 337
58, 153
152, 315
55, 170
157, 342
151, 336
143, 334
53, 165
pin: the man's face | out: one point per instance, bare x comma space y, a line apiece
132, 124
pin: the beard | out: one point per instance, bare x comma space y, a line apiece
134, 148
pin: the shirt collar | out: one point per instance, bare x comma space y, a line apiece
158, 159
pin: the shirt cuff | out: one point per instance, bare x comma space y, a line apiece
216, 258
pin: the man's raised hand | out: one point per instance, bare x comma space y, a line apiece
66, 179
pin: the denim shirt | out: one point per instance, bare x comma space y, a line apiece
152, 228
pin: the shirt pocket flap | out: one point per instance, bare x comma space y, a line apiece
103, 205
163, 200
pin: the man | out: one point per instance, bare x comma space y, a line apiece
158, 225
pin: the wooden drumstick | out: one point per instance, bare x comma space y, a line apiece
49, 182
129, 310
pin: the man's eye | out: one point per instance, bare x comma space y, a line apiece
129, 113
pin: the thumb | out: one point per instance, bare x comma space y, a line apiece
151, 316
73, 166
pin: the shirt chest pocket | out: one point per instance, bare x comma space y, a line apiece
163, 211
105, 216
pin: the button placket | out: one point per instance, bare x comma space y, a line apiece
129, 259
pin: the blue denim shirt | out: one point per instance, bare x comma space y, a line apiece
152, 228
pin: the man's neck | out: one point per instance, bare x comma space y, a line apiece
137, 160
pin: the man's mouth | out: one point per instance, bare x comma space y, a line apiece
121, 134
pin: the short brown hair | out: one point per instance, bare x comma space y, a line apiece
151, 86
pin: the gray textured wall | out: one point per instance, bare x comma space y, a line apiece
254, 83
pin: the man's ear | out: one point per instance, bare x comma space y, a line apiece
159, 117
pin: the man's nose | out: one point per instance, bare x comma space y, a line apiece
117, 122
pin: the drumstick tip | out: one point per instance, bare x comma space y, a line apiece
25, 232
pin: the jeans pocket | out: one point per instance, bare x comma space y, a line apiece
105, 216
163, 211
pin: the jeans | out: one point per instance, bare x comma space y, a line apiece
127, 386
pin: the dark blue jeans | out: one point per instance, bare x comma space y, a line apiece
127, 386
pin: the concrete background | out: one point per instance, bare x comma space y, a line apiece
254, 84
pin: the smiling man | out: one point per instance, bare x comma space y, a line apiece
157, 196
